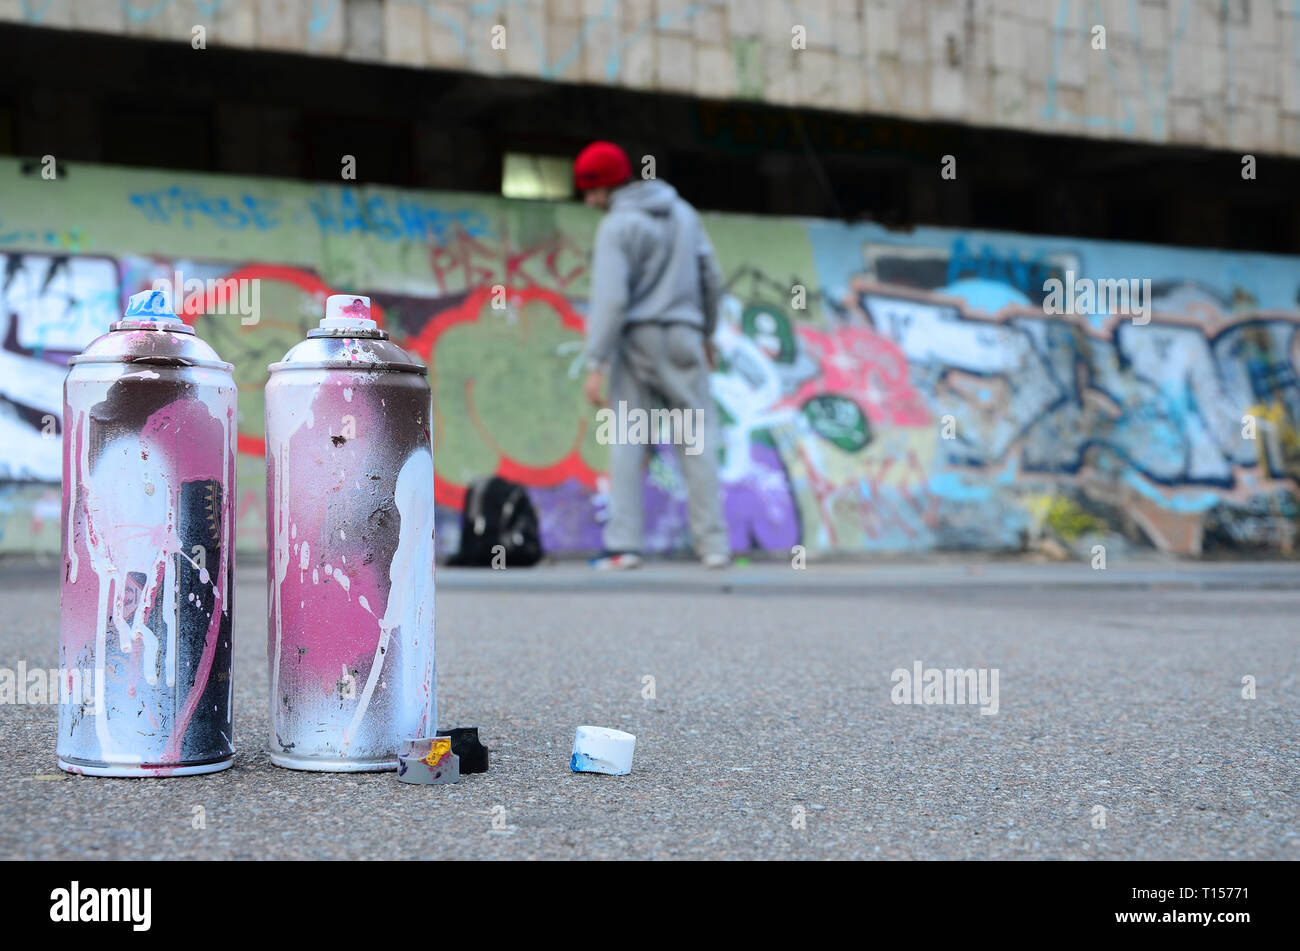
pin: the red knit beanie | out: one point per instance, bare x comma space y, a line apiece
601, 165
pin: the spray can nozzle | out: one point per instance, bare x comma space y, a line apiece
347, 312
149, 305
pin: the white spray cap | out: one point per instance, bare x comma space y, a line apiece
597, 749
347, 312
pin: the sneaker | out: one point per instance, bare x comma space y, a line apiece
616, 561
715, 562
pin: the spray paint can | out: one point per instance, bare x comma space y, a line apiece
149, 434
349, 500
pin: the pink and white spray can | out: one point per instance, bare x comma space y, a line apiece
350, 532
148, 559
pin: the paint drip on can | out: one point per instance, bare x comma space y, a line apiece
149, 432
350, 547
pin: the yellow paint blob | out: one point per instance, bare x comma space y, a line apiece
439, 749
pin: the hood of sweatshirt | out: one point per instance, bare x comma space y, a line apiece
654, 197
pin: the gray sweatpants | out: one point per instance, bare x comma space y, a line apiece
664, 366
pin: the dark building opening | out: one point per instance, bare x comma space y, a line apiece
153, 104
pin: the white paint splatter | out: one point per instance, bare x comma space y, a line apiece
74, 477
344, 582
410, 596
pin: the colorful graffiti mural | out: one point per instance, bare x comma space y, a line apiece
880, 391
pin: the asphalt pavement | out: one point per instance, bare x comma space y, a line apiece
769, 727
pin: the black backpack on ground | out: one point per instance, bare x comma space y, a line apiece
498, 512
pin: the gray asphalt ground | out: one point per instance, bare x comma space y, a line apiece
1119, 689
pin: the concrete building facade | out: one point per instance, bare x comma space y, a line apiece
1221, 74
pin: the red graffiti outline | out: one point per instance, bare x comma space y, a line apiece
474, 261
195, 304
571, 466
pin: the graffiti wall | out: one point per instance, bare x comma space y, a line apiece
880, 391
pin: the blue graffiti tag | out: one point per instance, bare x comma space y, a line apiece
343, 210
186, 204
1025, 274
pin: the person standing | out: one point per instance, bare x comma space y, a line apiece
655, 287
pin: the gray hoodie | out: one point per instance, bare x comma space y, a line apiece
652, 261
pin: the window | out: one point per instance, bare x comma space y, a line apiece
536, 176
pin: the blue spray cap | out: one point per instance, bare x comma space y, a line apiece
149, 305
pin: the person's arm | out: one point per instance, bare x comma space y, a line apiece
607, 299
710, 280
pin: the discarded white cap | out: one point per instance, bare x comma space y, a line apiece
600, 750
347, 312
